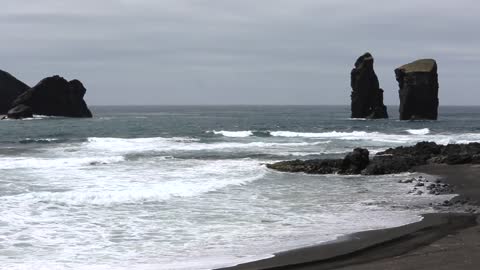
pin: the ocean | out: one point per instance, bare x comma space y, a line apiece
186, 187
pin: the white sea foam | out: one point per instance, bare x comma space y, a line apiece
332, 134
190, 179
415, 135
233, 134
420, 135
55, 162
180, 144
423, 131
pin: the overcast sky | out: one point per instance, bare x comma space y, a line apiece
238, 51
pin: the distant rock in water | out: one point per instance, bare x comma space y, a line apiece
10, 89
418, 82
54, 96
367, 97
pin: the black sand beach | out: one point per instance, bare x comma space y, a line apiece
448, 240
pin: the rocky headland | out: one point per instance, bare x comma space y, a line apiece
10, 89
418, 83
393, 160
367, 96
52, 96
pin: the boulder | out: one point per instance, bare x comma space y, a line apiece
55, 96
387, 164
367, 97
20, 111
355, 162
10, 89
418, 83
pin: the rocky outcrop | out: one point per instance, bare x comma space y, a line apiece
367, 97
353, 163
418, 82
394, 160
55, 96
19, 112
10, 89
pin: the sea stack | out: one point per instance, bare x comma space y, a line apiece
367, 97
10, 89
418, 82
53, 96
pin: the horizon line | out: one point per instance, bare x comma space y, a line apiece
266, 105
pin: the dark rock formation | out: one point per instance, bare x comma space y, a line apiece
56, 96
353, 163
393, 160
10, 89
313, 166
367, 97
20, 111
418, 82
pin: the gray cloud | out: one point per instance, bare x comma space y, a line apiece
237, 52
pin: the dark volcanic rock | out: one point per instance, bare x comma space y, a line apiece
20, 111
388, 164
313, 166
418, 82
56, 96
10, 89
394, 160
355, 161
367, 97
419, 153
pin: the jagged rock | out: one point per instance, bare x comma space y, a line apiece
388, 165
55, 96
313, 166
394, 160
418, 82
20, 111
10, 89
355, 162
420, 153
367, 97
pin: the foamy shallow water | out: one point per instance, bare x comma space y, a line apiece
189, 189
99, 202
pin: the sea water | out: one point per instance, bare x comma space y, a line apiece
183, 187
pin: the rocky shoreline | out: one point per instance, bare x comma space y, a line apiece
393, 160
398, 248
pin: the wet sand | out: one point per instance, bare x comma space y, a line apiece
439, 241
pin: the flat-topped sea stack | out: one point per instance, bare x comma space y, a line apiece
418, 82
53, 96
367, 97
10, 89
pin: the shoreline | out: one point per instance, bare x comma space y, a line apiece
378, 248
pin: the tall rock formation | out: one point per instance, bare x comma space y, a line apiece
367, 97
10, 89
53, 96
418, 82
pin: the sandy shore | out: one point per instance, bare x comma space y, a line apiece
439, 241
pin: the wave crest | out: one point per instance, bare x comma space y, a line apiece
422, 131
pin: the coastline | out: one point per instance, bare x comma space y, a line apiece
420, 245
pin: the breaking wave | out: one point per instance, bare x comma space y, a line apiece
413, 136
200, 178
423, 131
